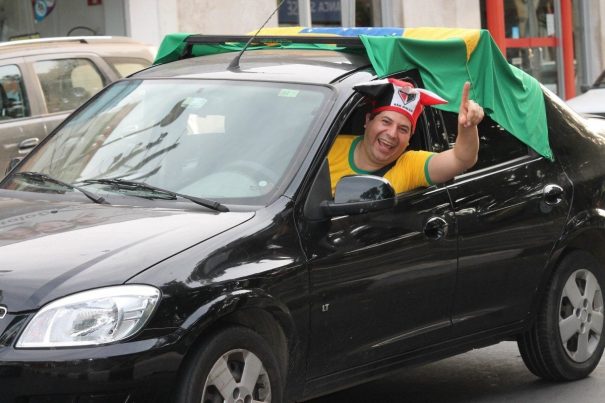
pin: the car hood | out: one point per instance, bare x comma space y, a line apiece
51, 249
592, 101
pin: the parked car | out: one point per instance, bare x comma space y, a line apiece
43, 80
591, 102
176, 238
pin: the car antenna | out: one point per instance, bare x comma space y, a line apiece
234, 65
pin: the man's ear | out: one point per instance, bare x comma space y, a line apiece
368, 118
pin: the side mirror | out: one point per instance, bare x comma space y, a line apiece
359, 194
13, 163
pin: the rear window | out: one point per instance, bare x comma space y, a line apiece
125, 66
496, 144
68, 83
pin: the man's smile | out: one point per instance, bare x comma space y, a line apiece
386, 145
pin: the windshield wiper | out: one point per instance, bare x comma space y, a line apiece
44, 178
134, 185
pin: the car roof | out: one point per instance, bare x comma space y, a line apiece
102, 45
302, 66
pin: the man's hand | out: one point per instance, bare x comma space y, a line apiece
471, 113
447, 164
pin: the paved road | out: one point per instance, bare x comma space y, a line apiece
494, 374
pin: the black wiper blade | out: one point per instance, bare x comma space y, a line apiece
135, 185
40, 177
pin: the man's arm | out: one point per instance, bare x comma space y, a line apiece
447, 164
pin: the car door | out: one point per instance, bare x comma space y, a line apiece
381, 282
20, 117
57, 84
510, 210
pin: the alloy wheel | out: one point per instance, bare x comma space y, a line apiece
581, 315
238, 376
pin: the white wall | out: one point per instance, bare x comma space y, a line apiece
150, 20
115, 17
441, 13
230, 17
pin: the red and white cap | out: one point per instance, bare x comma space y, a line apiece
399, 96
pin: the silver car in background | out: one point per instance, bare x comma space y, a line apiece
592, 102
43, 80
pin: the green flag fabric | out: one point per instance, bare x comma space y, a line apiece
511, 97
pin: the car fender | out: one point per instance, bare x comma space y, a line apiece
224, 310
232, 301
271, 318
585, 230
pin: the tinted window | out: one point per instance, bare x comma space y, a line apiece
497, 145
68, 83
12, 91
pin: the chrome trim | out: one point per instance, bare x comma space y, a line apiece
3, 311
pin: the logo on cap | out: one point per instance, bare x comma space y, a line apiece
405, 97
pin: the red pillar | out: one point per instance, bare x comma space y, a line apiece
494, 9
567, 44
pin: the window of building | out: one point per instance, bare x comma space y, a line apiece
359, 13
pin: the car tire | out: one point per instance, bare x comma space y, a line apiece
566, 341
218, 370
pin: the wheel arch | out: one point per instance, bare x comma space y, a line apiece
250, 308
586, 232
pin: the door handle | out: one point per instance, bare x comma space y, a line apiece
436, 228
28, 144
553, 194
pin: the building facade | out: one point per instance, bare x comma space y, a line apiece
560, 42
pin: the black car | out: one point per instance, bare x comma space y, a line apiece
176, 239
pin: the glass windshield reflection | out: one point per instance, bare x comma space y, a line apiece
233, 141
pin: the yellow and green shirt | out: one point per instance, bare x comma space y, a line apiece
409, 172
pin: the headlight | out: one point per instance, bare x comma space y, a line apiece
100, 316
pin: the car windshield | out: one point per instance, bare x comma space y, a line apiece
232, 141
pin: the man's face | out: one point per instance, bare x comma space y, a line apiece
386, 137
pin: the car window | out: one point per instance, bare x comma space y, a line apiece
355, 124
12, 90
126, 66
496, 144
68, 83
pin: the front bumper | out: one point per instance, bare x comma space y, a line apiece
135, 371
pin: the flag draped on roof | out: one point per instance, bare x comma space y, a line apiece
445, 59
